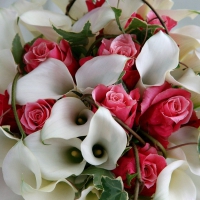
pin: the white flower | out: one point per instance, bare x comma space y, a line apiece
105, 141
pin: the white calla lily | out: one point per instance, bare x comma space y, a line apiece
61, 189
20, 165
70, 118
42, 20
8, 69
158, 56
58, 158
105, 142
186, 134
6, 143
173, 183
89, 193
51, 79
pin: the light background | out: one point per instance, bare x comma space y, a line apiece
5, 192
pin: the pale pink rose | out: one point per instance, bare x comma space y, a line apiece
169, 22
164, 110
115, 99
33, 115
43, 49
122, 45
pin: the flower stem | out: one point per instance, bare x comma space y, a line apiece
139, 179
157, 15
13, 103
181, 145
155, 142
130, 130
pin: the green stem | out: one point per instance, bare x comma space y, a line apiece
157, 15
13, 103
130, 130
155, 142
181, 145
139, 178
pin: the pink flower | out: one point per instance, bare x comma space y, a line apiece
169, 22
151, 164
94, 4
164, 110
43, 49
122, 45
115, 99
34, 115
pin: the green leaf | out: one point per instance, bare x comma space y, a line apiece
76, 38
113, 189
97, 174
118, 13
126, 150
77, 51
130, 177
17, 49
195, 11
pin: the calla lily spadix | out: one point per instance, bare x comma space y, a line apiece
105, 141
51, 79
59, 158
70, 118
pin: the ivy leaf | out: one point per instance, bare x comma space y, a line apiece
130, 177
113, 189
76, 38
97, 174
17, 49
118, 13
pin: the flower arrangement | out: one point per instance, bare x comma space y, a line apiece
102, 103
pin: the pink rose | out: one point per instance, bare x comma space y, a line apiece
34, 115
94, 4
43, 49
151, 164
164, 110
115, 99
122, 45
169, 22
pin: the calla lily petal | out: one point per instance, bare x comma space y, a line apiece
186, 78
108, 137
173, 183
61, 189
98, 18
8, 69
103, 69
9, 28
187, 134
55, 158
63, 122
42, 20
21, 165
88, 194
51, 79
6, 143
159, 55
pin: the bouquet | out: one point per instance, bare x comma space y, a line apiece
99, 101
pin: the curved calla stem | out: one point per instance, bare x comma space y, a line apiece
13, 103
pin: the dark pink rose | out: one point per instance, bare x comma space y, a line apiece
94, 4
122, 45
151, 164
82, 61
34, 115
164, 110
169, 22
43, 49
115, 99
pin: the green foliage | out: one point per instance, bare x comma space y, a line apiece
113, 189
17, 49
97, 174
75, 39
117, 15
130, 177
32, 41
